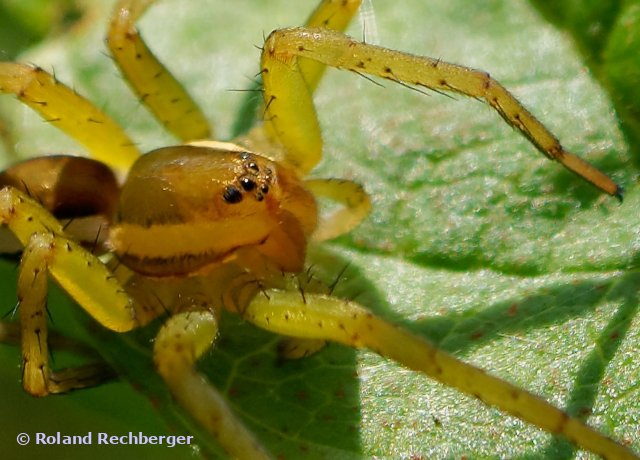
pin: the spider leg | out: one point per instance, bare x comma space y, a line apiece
322, 317
152, 82
178, 345
329, 14
357, 206
67, 110
48, 252
37, 377
78, 377
291, 114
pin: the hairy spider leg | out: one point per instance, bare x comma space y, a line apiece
67, 110
356, 206
49, 252
179, 344
321, 317
334, 15
41, 254
291, 114
159, 90
149, 79
329, 14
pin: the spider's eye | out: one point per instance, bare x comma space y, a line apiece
247, 184
232, 195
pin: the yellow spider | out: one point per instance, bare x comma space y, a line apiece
207, 226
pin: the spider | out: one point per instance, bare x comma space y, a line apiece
247, 163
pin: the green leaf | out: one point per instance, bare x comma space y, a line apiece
608, 37
26, 22
476, 241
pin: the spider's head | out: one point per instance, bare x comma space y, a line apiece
186, 208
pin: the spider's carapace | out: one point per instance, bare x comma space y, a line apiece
210, 203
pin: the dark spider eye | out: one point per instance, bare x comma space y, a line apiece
264, 189
249, 163
247, 184
232, 195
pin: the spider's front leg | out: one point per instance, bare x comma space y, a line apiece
291, 115
322, 317
149, 79
179, 344
49, 252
